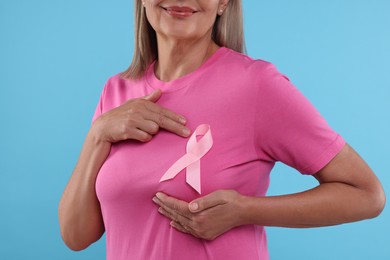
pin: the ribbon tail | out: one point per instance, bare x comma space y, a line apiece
177, 167
191, 160
193, 176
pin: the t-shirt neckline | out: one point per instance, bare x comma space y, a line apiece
182, 82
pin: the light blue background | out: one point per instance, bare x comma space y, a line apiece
56, 55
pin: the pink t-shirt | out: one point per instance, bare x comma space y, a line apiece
257, 117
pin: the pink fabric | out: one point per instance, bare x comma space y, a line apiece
257, 118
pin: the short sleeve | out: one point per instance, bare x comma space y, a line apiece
99, 107
288, 127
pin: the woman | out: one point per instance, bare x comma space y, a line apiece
191, 108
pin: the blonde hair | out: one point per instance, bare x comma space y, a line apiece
227, 31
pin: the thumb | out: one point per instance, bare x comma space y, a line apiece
154, 96
209, 201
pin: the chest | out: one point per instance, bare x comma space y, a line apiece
133, 169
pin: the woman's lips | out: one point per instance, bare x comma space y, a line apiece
179, 11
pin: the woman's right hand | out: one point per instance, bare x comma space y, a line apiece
138, 119
80, 217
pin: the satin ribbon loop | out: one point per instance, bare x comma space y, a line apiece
196, 149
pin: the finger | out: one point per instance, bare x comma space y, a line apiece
209, 201
175, 216
154, 96
179, 227
140, 135
167, 113
172, 204
168, 120
183, 229
148, 126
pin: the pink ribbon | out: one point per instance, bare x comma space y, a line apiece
191, 160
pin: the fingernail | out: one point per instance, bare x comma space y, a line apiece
183, 120
186, 132
155, 200
194, 206
159, 195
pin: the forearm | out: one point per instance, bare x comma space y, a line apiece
349, 191
328, 204
79, 209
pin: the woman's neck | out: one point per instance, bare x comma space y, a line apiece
177, 58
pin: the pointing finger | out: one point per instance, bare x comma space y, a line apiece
168, 120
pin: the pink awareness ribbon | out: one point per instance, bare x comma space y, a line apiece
191, 160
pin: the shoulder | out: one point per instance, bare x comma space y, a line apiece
242, 63
117, 84
117, 81
118, 90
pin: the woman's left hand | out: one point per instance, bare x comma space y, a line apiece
206, 217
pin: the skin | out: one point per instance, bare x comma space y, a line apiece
348, 189
183, 44
182, 51
140, 119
